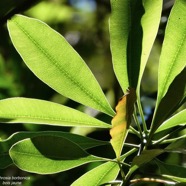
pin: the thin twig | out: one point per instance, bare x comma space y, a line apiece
152, 180
134, 131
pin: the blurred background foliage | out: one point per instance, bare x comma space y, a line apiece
84, 23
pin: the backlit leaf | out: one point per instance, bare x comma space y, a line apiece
119, 32
40, 155
122, 120
102, 174
172, 100
25, 110
150, 24
177, 119
178, 179
55, 62
172, 59
133, 29
5, 145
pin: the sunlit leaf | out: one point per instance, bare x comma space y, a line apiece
122, 120
150, 24
26, 110
55, 62
40, 155
172, 59
5, 145
171, 101
178, 179
102, 174
119, 32
133, 29
177, 119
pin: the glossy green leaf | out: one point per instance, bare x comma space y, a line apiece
172, 59
5, 145
25, 110
133, 29
177, 119
122, 120
150, 24
174, 172
40, 155
102, 174
55, 62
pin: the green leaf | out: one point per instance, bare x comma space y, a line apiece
119, 32
133, 29
177, 119
102, 174
55, 62
25, 110
145, 157
150, 24
172, 100
122, 120
148, 155
177, 146
172, 59
40, 155
174, 172
5, 145
178, 179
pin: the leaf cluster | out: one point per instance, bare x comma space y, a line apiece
133, 30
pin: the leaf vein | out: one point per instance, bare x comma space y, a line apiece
171, 65
47, 118
82, 88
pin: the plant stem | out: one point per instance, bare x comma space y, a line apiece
132, 145
134, 131
142, 115
123, 156
173, 139
137, 122
150, 180
168, 135
121, 171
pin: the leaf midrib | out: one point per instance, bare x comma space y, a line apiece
105, 173
49, 119
88, 93
161, 95
52, 156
